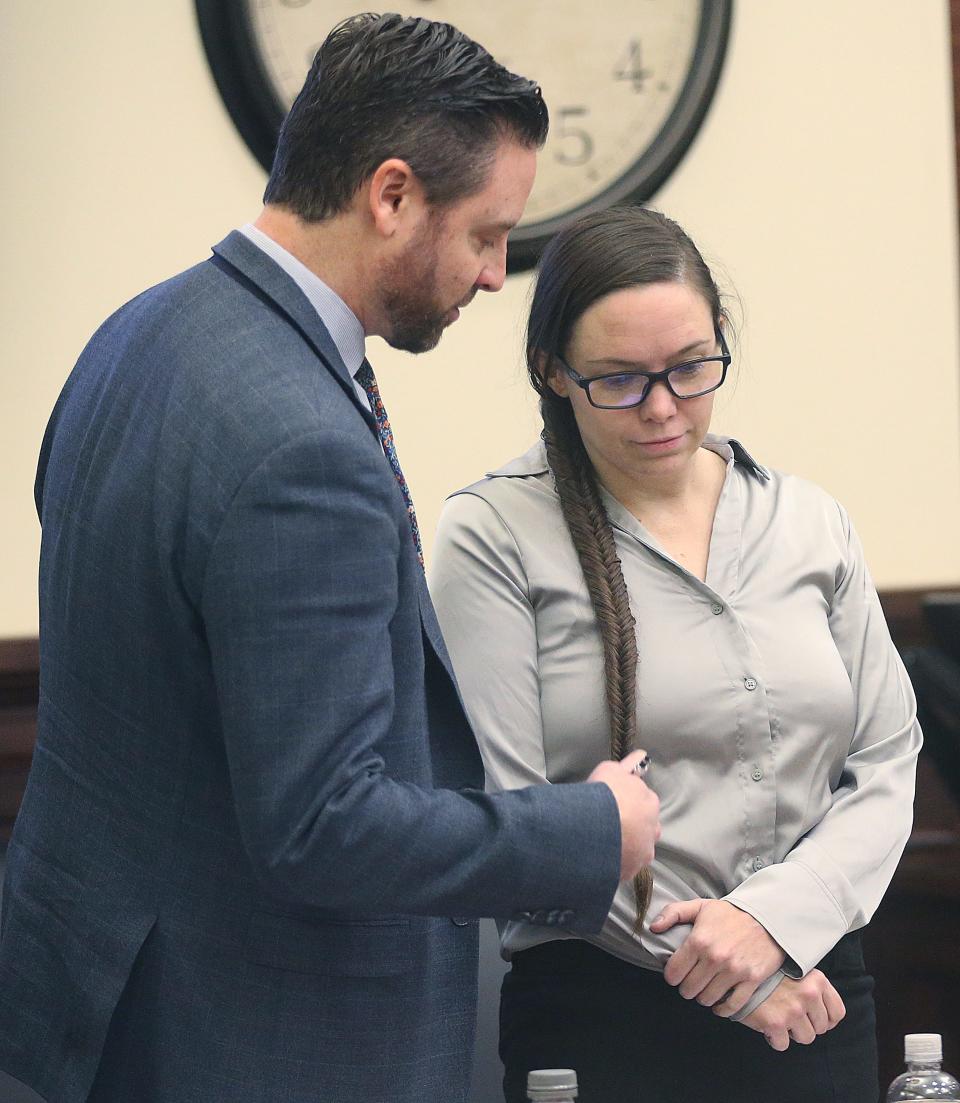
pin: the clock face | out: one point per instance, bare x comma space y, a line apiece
626, 92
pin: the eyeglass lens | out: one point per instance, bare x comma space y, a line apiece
686, 381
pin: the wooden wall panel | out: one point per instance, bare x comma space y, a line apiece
19, 690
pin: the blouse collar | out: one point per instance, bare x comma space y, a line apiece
534, 460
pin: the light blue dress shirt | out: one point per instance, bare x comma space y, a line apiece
342, 324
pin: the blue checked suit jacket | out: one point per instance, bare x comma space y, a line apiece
254, 839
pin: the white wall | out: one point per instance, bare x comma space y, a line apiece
822, 183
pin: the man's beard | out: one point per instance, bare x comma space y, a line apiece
409, 294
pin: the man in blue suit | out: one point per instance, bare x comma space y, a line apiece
255, 841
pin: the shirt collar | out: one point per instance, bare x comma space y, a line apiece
534, 460
342, 324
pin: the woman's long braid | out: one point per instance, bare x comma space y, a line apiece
598, 255
589, 526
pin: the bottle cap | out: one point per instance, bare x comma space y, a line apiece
552, 1080
922, 1047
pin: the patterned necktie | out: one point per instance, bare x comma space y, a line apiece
368, 381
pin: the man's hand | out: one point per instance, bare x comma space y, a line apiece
723, 959
639, 809
797, 1011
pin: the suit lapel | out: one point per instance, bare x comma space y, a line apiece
431, 626
243, 261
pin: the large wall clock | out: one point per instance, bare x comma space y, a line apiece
627, 83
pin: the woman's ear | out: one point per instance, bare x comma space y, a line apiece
550, 373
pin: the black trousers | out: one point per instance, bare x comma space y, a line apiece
632, 1038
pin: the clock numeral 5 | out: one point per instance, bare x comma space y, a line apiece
631, 68
578, 144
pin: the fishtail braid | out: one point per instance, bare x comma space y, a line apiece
589, 527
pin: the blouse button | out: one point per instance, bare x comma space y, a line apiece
716, 610
758, 864
750, 683
757, 774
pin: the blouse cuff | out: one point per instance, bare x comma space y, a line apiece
764, 990
797, 910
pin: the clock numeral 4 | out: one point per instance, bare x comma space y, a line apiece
577, 147
631, 68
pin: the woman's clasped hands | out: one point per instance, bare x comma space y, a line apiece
724, 959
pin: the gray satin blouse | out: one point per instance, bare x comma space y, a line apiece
778, 715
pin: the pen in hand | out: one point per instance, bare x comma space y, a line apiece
640, 768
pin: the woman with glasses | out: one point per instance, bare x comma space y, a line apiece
635, 580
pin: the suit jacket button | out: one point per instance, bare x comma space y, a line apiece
461, 920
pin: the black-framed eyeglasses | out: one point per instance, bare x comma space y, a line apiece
621, 390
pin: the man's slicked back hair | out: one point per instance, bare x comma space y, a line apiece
385, 86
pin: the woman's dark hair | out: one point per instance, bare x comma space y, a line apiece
384, 86
601, 253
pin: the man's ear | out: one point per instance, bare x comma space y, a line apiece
395, 196
551, 374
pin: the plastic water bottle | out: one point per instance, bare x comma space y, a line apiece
924, 1078
552, 1086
